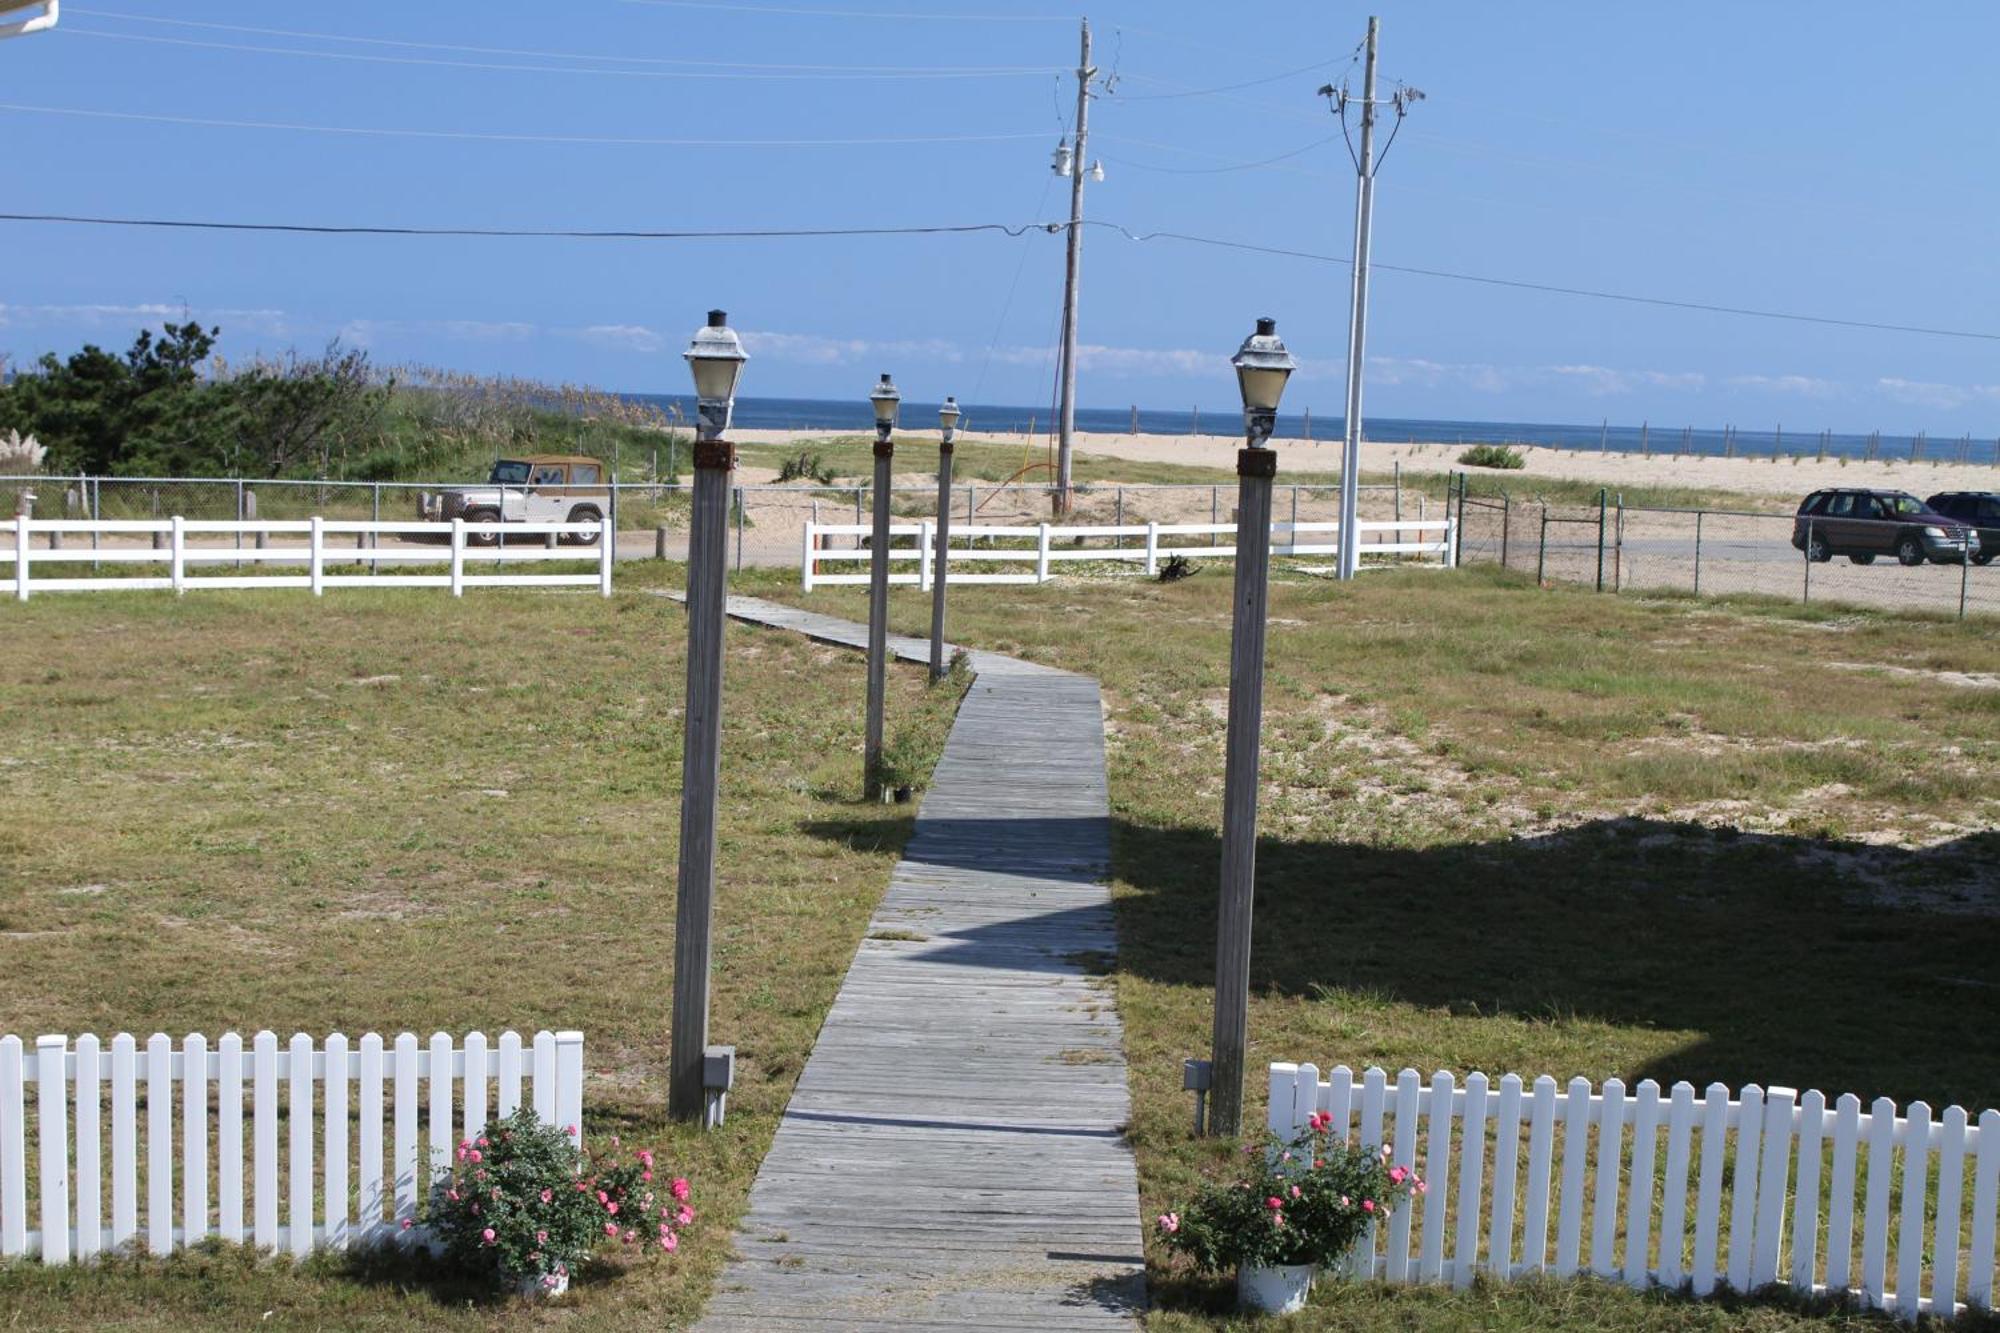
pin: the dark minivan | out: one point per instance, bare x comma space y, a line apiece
1979, 508
1862, 524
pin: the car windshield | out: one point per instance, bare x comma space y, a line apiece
509, 472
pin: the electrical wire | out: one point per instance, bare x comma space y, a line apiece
1211, 171
511, 138
1225, 88
857, 14
1556, 289
1011, 230
319, 229
825, 74
543, 54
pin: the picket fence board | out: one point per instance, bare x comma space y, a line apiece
1630, 1167
318, 1193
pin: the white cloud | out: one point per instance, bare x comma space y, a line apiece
272, 323
1805, 386
619, 337
1606, 380
1930, 393
367, 332
814, 349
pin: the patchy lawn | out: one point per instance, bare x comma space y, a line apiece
1508, 829
391, 810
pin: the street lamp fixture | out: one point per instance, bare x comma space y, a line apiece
947, 429
715, 356
18, 18
1262, 367
885, 400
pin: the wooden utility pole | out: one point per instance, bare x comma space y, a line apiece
1072, 263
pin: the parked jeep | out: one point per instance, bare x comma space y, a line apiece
540, 488
1979, 508
1862, 524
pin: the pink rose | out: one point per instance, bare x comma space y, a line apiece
647, 1175
1295, 1191
610, 1228
1274, 1203
685, 1216
1367, 1205
548, 1195
670, 1242
1170, 1222
476, 1155
541, 1238
408, 1223
611, 1208
487, 1235
681, 1190
1397, 1175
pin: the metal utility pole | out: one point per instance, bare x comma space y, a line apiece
948, 429
1365, 164
1071, 164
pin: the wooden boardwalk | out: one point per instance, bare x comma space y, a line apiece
953, 1156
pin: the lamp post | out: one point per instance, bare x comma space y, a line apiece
1262, 366
884, 399
716, 357
947, 428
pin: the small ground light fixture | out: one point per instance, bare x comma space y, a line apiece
948, 417
885, 399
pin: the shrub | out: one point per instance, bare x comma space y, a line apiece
806, 465
1303, 1202
519, 1201
1492, 455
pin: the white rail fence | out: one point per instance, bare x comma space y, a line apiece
1402, 540
336, 1095
464, 549
1775, 1187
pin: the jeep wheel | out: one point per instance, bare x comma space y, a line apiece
1865, 558
1910, 549
481, 516
583, 514
1817, 550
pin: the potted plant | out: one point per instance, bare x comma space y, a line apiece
520, 1204
1297, 1207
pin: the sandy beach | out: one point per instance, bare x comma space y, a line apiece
1788, 478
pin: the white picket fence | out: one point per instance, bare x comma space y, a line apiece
165, 541
1785, 1156
334, 1096
1406, 540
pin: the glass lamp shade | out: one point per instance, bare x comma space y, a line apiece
884, 399
715, 355
1262, 367
948, 414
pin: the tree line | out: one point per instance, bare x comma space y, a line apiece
165, 408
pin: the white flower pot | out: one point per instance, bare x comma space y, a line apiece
1273, 1288
535, 1287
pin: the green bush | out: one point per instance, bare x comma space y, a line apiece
1492, 455
520, 1202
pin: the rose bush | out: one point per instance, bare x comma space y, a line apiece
1303, 1202
520, 1202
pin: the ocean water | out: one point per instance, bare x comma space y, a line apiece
856, 415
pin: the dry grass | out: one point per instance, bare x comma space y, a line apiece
392, 810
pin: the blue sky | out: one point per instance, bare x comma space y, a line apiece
1822, 158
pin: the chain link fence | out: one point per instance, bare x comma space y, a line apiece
1705, 553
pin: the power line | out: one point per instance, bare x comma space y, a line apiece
856, 14
1007, 229
1211, 92
1556, 289
511, 138
549, 55
746, 72
1211, 171
323, 229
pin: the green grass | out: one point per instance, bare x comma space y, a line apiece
1543, 832
392, 810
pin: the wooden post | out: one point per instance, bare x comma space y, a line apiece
701, 775
1254, 469
878, 619
943, 547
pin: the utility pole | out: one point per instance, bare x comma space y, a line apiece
1071, 164
1365, 164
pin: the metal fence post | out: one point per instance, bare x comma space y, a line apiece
1118, 542
239, 519
1398, 472
1214, 504
1618, 548
739, 529
1506, 517
1601, 497
1964, 575
1697, 552
1542, 549
1805, 599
